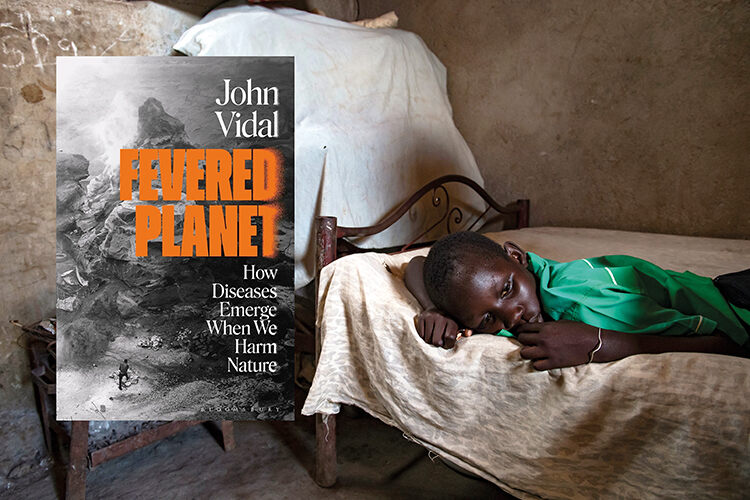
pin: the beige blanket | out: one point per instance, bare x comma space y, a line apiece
649, 426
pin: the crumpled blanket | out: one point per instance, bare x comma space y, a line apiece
673, 425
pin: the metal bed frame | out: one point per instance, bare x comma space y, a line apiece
331, 243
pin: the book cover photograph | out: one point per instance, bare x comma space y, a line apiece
175, 238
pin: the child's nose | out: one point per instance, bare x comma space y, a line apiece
514, 317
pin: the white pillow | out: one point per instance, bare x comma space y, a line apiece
373, 120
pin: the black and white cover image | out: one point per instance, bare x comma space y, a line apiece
175, 247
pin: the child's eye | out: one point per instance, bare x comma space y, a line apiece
486, 320
506, 290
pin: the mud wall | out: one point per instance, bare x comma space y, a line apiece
610, 114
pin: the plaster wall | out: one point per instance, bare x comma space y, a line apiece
608, 114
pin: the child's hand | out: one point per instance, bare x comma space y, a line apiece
437, 329
557, 344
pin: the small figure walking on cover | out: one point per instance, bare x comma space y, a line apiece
124, 372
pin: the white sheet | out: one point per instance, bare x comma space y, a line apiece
373, 121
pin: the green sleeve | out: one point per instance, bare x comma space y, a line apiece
617, 298
617, 309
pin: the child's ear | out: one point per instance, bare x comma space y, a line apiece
515, 253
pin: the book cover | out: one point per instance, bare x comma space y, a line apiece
175, 206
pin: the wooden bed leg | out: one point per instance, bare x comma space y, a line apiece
75, 481
45, 418
227, 434
325, 243
522, 216
325, 451
325, 434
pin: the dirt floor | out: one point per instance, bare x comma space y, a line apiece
272, 460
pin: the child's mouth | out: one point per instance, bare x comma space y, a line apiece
537, 318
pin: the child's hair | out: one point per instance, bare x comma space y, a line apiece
444, 267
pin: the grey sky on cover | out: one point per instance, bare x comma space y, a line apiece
98, 98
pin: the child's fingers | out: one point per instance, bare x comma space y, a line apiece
420, 327
428, 332
529, 327
528, 338
450, 338
532, 352
543, 364
436, 335
442, 336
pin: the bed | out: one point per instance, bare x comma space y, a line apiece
672, 425
372, 111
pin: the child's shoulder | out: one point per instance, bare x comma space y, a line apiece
622, 271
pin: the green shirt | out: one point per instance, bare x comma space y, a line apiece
632, 295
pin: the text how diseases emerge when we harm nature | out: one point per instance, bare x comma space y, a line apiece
253, 326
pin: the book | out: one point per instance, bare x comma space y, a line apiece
175, 238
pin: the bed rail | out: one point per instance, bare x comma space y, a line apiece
331, 243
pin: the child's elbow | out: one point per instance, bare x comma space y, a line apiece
414, 272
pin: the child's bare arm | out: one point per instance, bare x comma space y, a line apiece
558, 344
432, 325
415, 282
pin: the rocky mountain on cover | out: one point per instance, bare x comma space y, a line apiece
152, 311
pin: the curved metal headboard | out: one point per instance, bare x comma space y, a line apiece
329, 235
328, 239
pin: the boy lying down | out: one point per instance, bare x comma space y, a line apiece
584, 311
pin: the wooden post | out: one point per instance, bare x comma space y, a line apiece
325, 434
41, 388
75, 481
522, 216
139, 440
45, 419
227, 433
325, 451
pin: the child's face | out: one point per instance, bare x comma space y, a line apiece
497, 294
